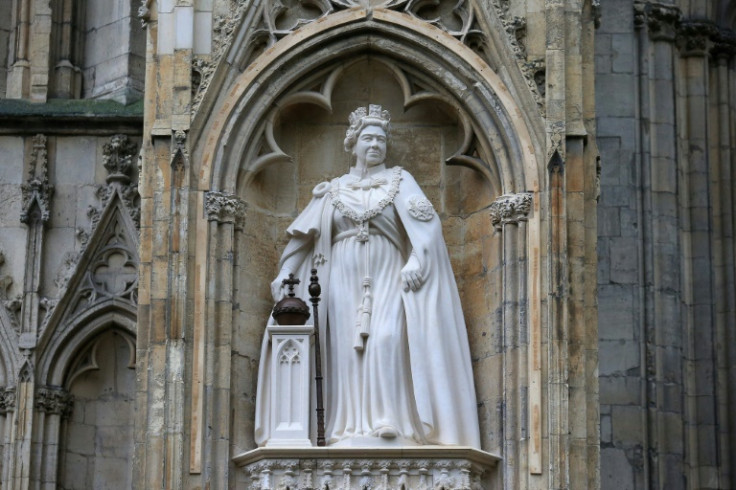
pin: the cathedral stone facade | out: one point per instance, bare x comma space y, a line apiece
578, 153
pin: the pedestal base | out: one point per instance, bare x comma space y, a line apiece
386, 468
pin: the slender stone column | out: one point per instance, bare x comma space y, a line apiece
53, 405
509, 215
35, 214
213, 329
698, 193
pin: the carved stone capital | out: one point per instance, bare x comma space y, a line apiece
224, 208
7, 400
54, 400
36, 190
510, 209
695, 37
662, 20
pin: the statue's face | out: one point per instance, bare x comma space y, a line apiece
370, 148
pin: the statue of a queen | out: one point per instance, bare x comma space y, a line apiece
395, 347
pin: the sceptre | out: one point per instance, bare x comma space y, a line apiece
314, 291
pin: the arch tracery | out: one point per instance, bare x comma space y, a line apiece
458, 74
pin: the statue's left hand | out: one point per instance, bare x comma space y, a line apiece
411, 274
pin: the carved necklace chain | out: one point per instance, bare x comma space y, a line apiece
361, 219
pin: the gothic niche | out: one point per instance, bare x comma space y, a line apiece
96, 449
301, 145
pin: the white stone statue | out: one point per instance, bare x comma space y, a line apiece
394, 344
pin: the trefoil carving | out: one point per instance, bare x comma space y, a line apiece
113, 271
510, 209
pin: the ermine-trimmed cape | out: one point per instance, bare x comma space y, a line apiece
441, 373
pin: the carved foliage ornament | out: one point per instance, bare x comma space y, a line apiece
7, 400
510, 209
37, 191
224, 208
54, 401
117, 157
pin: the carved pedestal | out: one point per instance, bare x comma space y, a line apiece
290, 381
396, 468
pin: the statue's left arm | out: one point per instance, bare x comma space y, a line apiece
424, 230
442, 375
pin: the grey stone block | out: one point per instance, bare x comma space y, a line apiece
609, 223
622, 46
617, 315
606, 434
604, 260
620, 390
618, 357
624, 261
76, 161
618, 101
629, 222
11, 160
617, 195
617, 16
616, 471
623, 127
627, 424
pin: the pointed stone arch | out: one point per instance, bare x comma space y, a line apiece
234, 136
240, 114
94, 289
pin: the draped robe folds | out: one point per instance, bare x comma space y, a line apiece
414, 373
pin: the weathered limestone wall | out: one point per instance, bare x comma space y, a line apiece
665, 105
114, 51
65, 49
67, 274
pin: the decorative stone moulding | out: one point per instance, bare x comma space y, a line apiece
7, 400
510, 209
396, 468
37, 191
117, 158
224, 208
54, 401
277, 19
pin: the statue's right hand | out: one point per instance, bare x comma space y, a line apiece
277, 286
